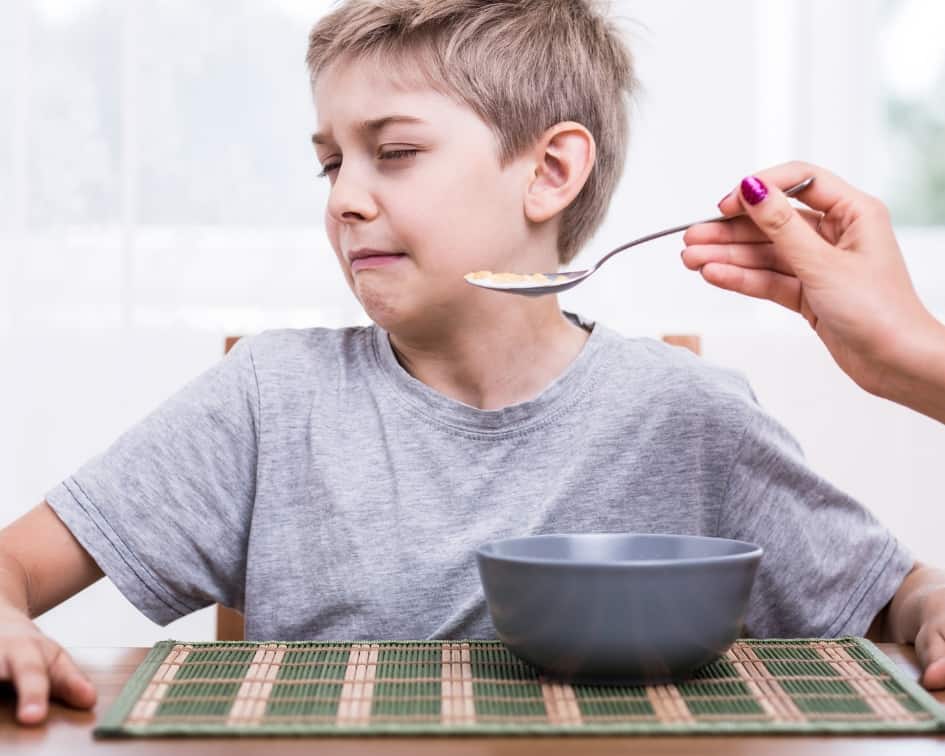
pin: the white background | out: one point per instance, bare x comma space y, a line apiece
155, 196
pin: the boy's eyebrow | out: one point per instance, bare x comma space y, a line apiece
371, 126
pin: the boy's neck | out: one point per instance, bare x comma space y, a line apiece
499, 360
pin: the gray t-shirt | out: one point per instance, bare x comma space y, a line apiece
308, 480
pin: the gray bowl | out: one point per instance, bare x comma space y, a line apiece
617, 608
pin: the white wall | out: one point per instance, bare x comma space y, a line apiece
113, 306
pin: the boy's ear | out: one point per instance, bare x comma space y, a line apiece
564, 157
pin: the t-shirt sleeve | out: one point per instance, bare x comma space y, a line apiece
166, 510
829, 567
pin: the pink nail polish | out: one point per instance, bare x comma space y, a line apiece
753, 190
719, 203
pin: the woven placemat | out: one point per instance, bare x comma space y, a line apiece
845, 685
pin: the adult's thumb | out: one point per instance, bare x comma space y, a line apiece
793, 237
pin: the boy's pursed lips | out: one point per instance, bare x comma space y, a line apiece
365, 257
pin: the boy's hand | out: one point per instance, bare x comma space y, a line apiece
39, 669
930, 641
916, 615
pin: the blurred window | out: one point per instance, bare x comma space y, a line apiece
156, 167
913, 92
159, 169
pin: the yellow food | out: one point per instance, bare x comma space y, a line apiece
513, 278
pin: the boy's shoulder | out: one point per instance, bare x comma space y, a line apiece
291, 365
674, 375
288, 346
641, 355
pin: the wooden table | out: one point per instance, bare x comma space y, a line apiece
69, 732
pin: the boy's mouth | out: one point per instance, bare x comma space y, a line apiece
362, 259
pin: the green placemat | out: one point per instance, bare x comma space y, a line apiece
845, 685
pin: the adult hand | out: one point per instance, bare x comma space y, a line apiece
39, 669
838, 264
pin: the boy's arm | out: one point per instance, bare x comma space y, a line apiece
41, 565
916, 614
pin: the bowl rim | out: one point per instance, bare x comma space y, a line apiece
752, 552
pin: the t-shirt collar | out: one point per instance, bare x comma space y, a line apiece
558, 396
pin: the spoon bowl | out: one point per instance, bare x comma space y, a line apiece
533, 288
536, 285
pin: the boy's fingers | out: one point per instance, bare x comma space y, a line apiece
931, 653
761, 284
29, 677
934, 676
68, 684
758, 256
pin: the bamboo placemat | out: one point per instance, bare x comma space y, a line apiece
845, 685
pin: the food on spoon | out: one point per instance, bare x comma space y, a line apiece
513, 279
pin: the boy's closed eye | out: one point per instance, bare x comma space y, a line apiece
402, 153
329, 168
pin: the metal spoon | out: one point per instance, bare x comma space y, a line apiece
555, 282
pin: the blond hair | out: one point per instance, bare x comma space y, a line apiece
520, 65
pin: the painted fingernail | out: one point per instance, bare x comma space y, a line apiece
753, 190
719, 203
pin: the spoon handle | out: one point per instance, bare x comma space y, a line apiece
792, 191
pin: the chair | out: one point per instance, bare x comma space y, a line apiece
690, 341
230, 623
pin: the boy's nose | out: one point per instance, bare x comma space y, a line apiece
349, 201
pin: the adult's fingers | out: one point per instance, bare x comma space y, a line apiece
761, 284
67, 683
822, 195
802, 247
741, 229
27, 670
762, 256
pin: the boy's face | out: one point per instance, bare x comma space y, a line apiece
418, 197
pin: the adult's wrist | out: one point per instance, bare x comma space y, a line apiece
915, 375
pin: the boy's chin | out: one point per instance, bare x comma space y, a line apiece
392, 311
401, 309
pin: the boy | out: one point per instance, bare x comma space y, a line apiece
335, 484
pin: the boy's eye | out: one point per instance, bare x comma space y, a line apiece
328, 168
395, 154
